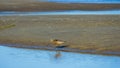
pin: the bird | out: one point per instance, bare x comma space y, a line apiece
58, 43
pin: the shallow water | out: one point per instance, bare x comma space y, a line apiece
28, 58
72, 12
84, 1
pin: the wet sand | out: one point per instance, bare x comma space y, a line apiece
49, 6
97, 34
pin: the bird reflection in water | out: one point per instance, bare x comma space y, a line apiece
58, 54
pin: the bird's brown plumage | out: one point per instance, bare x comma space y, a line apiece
57, 42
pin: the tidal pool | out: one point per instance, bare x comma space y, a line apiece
72, 12
30, 58
83, 1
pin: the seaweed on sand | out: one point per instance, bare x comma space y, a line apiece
7, 26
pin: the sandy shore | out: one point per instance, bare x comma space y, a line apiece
98, 33
47, 6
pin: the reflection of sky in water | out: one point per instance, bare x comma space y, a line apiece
26, 58
84, 1
72, 12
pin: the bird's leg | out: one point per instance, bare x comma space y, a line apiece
58, 54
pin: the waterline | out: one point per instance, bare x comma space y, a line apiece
28, 58
83, 1
72, 12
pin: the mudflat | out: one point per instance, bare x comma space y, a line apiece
98, 33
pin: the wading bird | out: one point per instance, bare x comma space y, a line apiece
58, 43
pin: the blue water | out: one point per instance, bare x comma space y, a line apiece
28, 58
72, 12
84, 1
